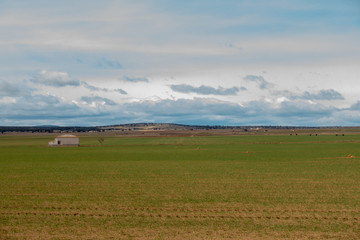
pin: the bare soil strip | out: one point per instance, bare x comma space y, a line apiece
189, 213
185, 216
186, 210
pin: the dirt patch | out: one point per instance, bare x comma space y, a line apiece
347, 157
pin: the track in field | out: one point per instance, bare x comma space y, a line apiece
187, 213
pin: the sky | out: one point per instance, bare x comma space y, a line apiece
198, 62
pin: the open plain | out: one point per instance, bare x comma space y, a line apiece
249, 186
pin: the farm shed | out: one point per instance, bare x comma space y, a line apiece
65, 140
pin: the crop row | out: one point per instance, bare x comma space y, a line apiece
181, 216
164, 209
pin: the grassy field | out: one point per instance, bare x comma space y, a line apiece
215, 187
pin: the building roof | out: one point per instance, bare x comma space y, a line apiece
67, 136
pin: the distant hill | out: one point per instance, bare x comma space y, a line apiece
140, 127
48, 126
164, 126
174, 126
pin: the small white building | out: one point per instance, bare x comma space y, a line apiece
65, 140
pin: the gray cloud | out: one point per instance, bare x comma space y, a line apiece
45, 100
243, 89
93, 88
186, 111
47, 109
42, 108
355, 106
97, 100
8, 89
211, 111
204, 90
105, 63
134, 79
303, 109
184, 107
121, 91
262, 83
55, 79
50, 109
16, 89
326, 94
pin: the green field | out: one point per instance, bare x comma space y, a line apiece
215, 187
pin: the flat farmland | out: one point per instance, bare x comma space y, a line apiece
202, 187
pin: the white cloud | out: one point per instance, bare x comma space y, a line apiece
6, 100
55, 79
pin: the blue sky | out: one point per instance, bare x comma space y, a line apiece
193, 62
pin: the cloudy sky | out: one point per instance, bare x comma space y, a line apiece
208, 62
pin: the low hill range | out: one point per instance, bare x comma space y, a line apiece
182, 127
118, 127
164, 127
161, 128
